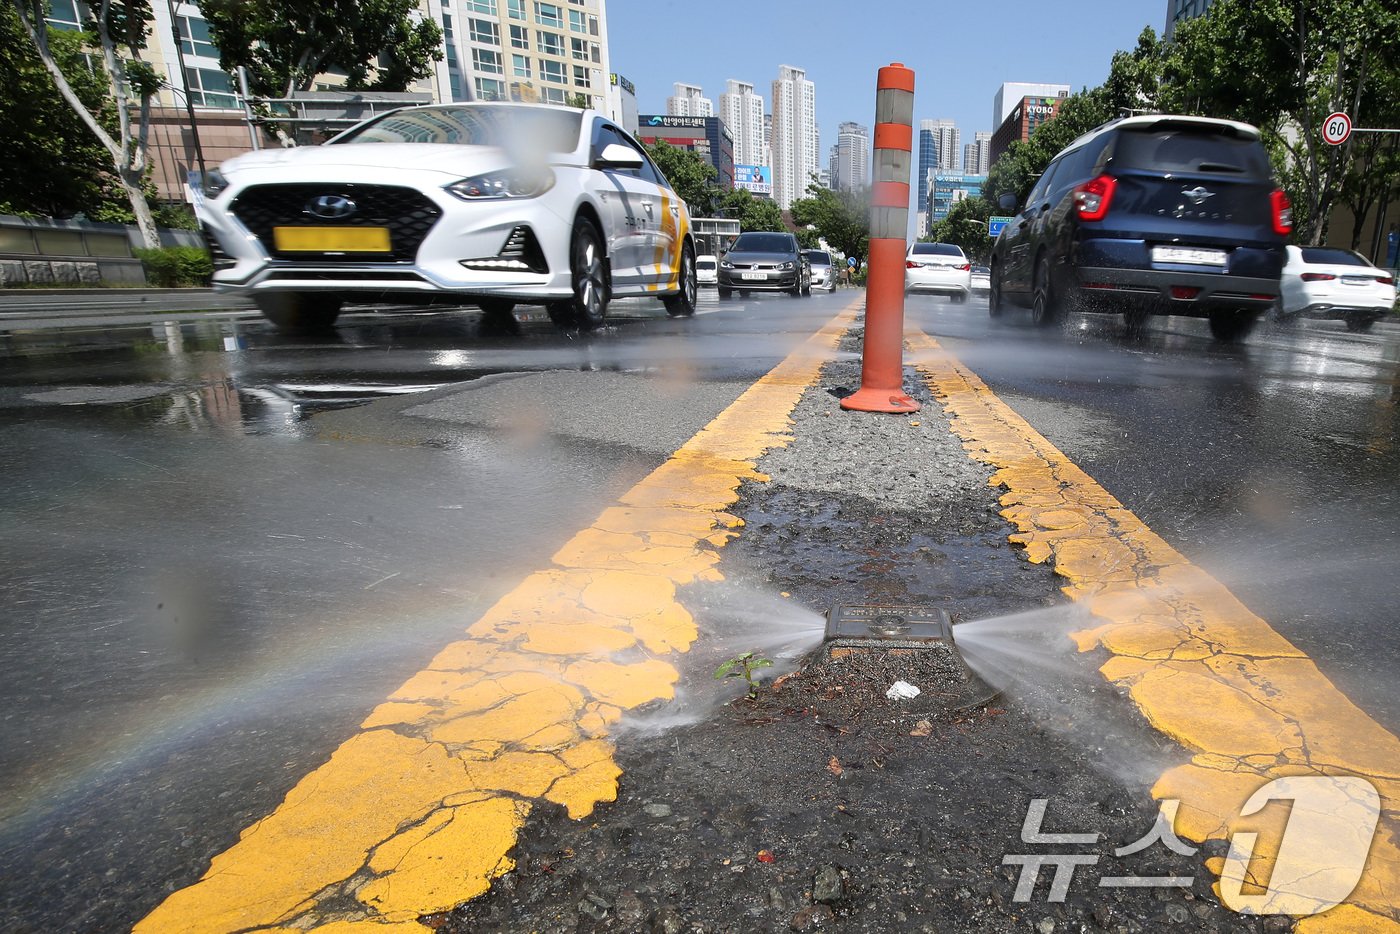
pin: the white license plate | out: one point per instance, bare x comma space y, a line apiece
1357, 280
754, 275
1192, 257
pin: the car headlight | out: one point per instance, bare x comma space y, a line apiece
503, 185
726, 264
788, 266
213, 183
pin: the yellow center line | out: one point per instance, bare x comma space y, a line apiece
1248, 705
417, 813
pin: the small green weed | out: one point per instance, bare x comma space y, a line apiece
743, 666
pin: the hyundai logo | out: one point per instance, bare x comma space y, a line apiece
331, 207
1198, 195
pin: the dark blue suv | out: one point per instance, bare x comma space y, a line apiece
1149, 215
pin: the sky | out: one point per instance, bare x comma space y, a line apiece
960, 52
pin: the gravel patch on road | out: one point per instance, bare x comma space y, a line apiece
820, 803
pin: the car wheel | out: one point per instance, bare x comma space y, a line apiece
807, 287
589, 306
682, 304
725, 293
1045, 309
994, 300
299, 312
743, 293
1228, 324
1359, 324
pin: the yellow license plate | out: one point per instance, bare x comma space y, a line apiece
331, 239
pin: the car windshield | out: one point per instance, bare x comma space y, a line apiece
704, 264
762, 243
936, 249
1332, 257
1190, 149
537, 128
819, 257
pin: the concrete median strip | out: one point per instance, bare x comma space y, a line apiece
1248, 705
418, 812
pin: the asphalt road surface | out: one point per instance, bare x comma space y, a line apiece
226, 545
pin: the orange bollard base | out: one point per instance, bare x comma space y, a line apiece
879, 400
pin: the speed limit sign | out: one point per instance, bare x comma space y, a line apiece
1336, 129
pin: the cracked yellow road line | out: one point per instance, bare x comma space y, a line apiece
416, 814
1248, 705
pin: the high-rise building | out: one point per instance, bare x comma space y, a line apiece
795, 139
522, 50
1010, 94
1178, 10
689, 101
938, 149
977, 155
1028, 114
850, 158
622, 103
742, 112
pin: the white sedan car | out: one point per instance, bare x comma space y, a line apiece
490, 203
939, 268
1328, 282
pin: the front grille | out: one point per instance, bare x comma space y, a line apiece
407, 213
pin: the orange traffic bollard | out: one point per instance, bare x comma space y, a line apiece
882, 362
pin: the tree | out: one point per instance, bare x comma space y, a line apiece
379, 45
53, 165
752, 213
114, 29
966, 225
842, 218
1284, 65
690, 174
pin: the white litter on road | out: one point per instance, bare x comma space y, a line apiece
902, 690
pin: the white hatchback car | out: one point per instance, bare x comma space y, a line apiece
707, 269
491, 203
1328, 282
939, 268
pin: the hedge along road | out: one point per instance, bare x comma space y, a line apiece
417, 813
1202, 668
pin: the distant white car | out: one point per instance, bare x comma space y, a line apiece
491, 203
938, 268
981, 279
707, 269
1328, 282
823, 271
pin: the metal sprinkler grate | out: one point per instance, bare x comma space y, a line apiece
863, 628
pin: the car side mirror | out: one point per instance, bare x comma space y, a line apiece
1007, 202
618, 156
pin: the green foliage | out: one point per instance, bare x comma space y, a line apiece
966, 226
842, 218
580, 101
752, 213
287, 45
690, 174
175, 266
53, 165
1284, 65
744, 666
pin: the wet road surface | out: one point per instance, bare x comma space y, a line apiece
228, 545
1271, 463
222, 557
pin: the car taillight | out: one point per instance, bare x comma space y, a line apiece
1093, 198
1386, 280
1317, 277
910, 264
964, 267
1283, 212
